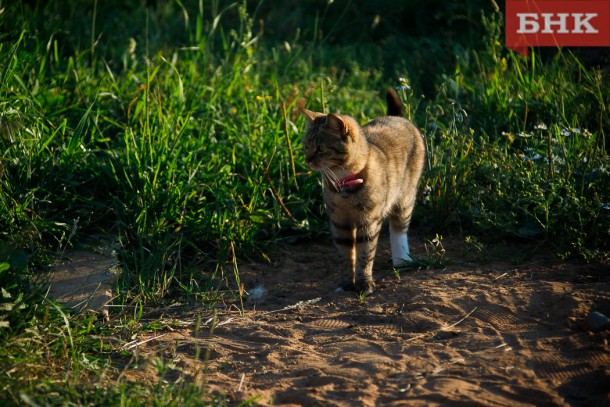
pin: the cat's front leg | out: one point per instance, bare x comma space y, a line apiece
344, 238
366, 247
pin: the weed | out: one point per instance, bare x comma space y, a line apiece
435, 252
475, 249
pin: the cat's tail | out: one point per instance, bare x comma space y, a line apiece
394, 103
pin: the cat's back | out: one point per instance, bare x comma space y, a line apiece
392, 132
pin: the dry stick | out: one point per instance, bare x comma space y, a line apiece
534, 263
445, 328
460, 321
279, 199
132, 345
240, 286
500, 276
241, 382
322, 96
208, 323
289, 143
299, 304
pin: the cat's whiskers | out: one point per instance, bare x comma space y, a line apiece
330, 175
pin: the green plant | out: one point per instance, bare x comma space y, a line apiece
435, 252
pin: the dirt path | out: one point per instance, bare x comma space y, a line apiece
490, 334
494, 334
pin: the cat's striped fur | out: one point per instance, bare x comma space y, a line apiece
370, 173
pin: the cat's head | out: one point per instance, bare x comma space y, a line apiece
327, 139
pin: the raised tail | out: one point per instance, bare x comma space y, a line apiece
394, 103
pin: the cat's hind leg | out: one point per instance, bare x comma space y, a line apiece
399, 240
399, 243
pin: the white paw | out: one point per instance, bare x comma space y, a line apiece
399, 243
398, 263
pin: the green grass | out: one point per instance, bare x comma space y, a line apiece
173, 130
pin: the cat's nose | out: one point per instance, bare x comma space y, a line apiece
311, 163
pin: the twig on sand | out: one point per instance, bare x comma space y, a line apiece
500, 276
135, 344
241, 382
460, 321
444, 328
299, 304
210, 322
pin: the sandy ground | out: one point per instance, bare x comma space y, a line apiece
83, 280
474, 333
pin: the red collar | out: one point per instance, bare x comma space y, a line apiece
350, 180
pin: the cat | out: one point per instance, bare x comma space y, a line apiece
369, 173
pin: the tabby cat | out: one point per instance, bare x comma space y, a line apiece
370, 173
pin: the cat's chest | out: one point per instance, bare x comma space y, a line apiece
350, 201
345, 192
356, 200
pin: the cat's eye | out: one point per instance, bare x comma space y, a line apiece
321, 149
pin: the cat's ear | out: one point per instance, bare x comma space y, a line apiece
310, 116
338, 124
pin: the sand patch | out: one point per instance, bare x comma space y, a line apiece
481, 334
